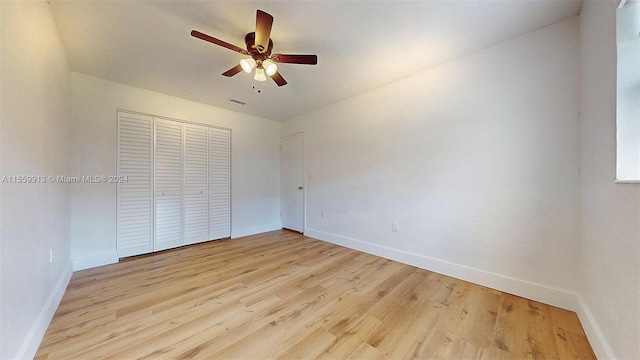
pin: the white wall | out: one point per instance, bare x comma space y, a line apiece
476, 160
610, 246
255, 202
36, 115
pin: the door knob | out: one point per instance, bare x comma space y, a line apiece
299, 187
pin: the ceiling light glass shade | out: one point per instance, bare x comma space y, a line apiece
260, 74
270, 67
247, 64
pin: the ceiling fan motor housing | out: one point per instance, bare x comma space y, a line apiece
256, 53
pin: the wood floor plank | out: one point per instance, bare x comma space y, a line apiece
283, 295
312, 346
366, 351
350, 336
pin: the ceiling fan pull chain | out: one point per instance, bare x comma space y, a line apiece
254, 86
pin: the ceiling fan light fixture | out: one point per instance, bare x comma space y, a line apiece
270, 67
260, 74
258, 52
247, 64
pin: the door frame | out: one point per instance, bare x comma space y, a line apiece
304, 179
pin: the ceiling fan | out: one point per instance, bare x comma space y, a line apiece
259, 47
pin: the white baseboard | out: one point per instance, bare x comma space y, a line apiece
95, 260
112, 257
252, 230
544, 294
541, 293
529, 290
36, 333
592, 330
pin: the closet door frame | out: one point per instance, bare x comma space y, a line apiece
151, 247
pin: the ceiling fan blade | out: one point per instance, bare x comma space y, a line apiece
234, 70
295, 59
213, 40
263, 30
279, 79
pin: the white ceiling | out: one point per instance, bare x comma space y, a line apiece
360, 45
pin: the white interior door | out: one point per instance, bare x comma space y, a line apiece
219, 183
195, 183
168, 189
292, 182
134, 231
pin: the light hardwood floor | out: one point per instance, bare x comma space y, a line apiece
283, 295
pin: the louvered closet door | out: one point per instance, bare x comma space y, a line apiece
134, 209
219, 183
168, 187
195, 183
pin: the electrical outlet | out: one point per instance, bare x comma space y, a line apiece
323, 214
50, 256
394, 226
